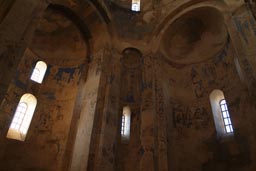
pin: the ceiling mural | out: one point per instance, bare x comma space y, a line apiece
196, 36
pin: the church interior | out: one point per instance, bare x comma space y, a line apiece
127, 85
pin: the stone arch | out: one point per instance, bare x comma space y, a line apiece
77, 21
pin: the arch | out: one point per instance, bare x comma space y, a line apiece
22, 117
184, 8
130, 50
72, 16
39, 72
221, 114
81, 25
103, 13
132, 58
126, 124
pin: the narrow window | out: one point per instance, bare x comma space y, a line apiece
136, 5
35, 75
22, 117
125, 124
221, 114
226, 116
39, 72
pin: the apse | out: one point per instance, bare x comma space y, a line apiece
195, 36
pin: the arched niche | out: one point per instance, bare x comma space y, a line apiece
130, 98
63, 44
131, 75
58, 39
181, 10
132, 58
195, 36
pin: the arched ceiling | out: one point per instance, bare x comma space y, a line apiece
58, 41
135, 29
65, 30
195, 36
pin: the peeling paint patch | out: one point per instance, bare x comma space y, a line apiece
239, 27
69, 71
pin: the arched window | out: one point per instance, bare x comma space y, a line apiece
125, 124
136, 5
39, 72
221, 114
226, 116
22, 117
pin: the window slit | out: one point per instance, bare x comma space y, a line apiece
226, 116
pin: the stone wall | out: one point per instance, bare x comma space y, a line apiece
183, 51
192, 141
53, 114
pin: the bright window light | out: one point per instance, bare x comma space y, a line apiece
225, 116
22, 117
136, 5
39, 72
221, 114
125, 124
